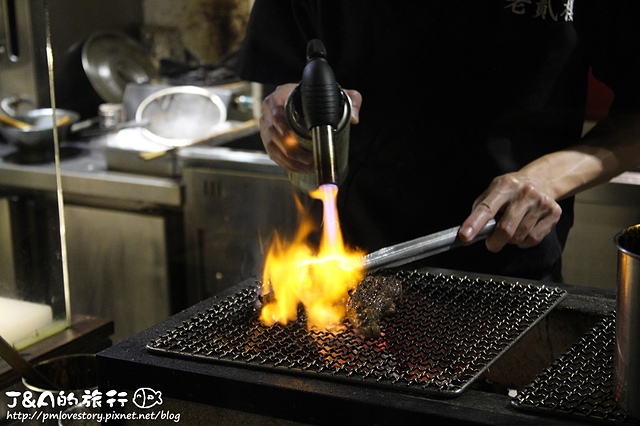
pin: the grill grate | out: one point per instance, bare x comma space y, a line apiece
445, 333
580, 383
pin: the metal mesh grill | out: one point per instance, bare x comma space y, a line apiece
579, 384
447, 330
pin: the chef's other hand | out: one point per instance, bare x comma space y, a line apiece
278, 138
527, 213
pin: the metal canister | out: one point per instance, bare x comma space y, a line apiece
110, 115
337, 149
627, 353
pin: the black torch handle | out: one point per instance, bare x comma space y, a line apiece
321, 95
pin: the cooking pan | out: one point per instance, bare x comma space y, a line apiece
112, 60
37, 129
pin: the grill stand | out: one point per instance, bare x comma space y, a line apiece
446, 332
581, 382
208, 389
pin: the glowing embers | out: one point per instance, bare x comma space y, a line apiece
318, 277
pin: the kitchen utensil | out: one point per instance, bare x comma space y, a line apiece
39, 133
216, 133
26, 126
179, 115
627, 352
15, 123
111, 60
110, 115
22, 366
420, 248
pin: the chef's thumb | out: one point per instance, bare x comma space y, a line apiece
356, 102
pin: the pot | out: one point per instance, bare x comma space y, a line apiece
627, 353
39, 136
76, 378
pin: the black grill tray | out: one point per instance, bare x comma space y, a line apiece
445, 334
579, 384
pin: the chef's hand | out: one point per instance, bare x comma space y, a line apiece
527, 213
278, 138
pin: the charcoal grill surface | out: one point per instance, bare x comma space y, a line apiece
445, 334
579, 384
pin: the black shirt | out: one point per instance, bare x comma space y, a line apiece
454, 94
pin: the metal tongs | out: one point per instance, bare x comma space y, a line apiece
420, 248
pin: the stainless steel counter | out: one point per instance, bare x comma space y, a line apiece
87, 175
90, 173
132, 227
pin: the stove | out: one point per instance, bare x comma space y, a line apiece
43, 157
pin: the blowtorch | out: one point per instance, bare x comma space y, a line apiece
318, 111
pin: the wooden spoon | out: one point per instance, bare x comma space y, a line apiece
152, 155
22, 366
26, 126
14, 123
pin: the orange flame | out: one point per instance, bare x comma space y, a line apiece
318, 278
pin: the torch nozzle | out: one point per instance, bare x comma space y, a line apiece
325, 155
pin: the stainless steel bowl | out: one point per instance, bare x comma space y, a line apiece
40, 134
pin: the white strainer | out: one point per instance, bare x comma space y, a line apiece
181, 115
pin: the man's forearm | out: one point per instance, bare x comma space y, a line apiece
610, 148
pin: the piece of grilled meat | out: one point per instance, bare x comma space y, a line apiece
374, 298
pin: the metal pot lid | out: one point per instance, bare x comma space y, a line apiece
111, 60
181, 115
